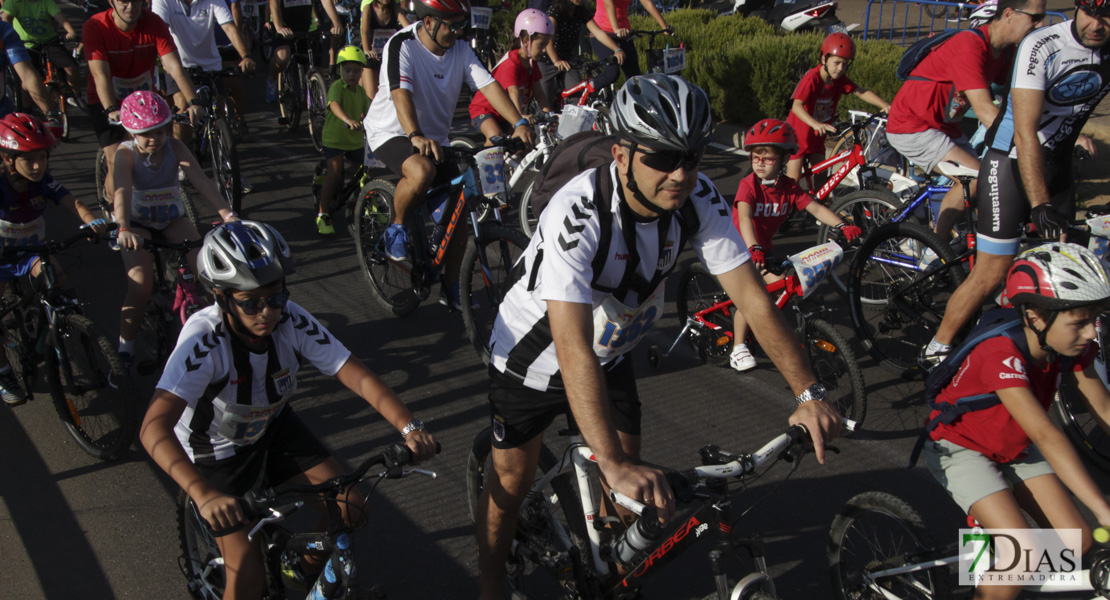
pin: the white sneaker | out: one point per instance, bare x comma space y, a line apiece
741, 358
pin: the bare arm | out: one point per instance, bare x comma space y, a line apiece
406, 114
102, 78
200, 181
874, 100
33, 84
798, 109
611, 14
1027, 105
745, 223
333, 16
7, 16
246, 63
602, 37
505, 107
983, 105
337, 110
364, 28
78, 209
649, 6
823, 214
360, 380
171, 62
60, 19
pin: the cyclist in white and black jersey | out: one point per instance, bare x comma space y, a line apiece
591, 287
424, 70
1061, 73
219, 422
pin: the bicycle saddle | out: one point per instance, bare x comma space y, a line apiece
954, 170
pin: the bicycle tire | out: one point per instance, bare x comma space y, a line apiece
497, 247
1080, 425
391, 283
866, 209
199, 552
835, 366
225, 164
937, 12
55, 92
529, 221
101, 175
19, 348
533, 526
697, 291
102, 419
190, 208
756, 595
157, 333
604, 122
896, 303
13, 89
289, 97
876, 528
317, 109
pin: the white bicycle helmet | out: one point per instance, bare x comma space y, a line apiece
244, 255
983, 13
1059, 276
662, 112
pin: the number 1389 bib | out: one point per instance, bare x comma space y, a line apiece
618, 328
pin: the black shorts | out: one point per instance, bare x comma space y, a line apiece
286, 450
106, 135
394, 152
1003, 206
520, 413
56, 53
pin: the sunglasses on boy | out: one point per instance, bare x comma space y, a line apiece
455, 28
253, 306
667, 161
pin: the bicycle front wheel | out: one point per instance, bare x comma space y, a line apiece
225, 164
876, 531
866, 209
486, 277
1080, 424
99, 414
200, 555
289, 97
391, 281
898, 286
698, 290
835, 366
101, 174
317, 109
529, 219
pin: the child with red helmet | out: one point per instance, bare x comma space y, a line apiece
25, 187
517, 72
1006, 459
763, 201
816, 97
148, 201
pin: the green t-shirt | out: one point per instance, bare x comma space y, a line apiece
355, 103
34, 21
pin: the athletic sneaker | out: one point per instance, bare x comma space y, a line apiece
246, 185
741, 358
271, 92
931, 357
126, 359
323, 225
10, 390
396, 242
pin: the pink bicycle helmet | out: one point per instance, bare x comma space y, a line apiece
144, 111
533, 21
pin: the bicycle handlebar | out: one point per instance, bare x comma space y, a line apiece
650, 33
84, 232
182, 246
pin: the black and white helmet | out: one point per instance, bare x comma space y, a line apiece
662, 112
244, 255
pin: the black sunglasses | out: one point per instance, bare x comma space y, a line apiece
669, 160
253, 306
1036, 17
454, 27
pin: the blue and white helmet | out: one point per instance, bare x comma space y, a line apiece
244, 255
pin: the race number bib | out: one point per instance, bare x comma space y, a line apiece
124, 86
674, 60
823, 110
381, 36
814, 264
242, 424
23, 234
156, 208
491, 166
1100, 235
618, 328
481, 17
250, 9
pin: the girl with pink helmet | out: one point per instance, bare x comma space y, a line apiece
148, 201
519, 73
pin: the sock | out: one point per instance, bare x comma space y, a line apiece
127, 346
936, 347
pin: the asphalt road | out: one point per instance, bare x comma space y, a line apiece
74, 527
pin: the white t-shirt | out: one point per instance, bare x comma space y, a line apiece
232, 393
435, 83
559, 265
194, 29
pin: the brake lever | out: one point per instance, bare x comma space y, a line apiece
275, 515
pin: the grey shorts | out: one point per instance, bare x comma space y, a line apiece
927, 148
969, 476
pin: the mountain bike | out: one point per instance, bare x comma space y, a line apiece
174, 298
203, 566
880, 547
561, 549
483, 42
493, 249
45, 324
707, 316
546, 139
212, 139
293, 83
55, 82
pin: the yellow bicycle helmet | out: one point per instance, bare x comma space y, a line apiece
351, 54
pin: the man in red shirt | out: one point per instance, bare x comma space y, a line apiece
123, 45
955, 76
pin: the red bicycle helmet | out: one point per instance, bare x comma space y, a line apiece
443, 9
772, 132
841, 44
21, 133
1095, 8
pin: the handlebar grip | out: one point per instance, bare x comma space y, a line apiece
1101, 535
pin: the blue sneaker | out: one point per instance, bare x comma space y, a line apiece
396, 242
271, 92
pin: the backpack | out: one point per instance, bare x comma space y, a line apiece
922, 48
998, 322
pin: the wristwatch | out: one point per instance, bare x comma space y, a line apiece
415, 425
415, 133
813, 392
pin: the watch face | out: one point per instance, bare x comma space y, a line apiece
817, 391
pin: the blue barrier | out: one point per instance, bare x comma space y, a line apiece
906, 21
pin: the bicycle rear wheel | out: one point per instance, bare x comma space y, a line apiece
102, 418
289, 96
390, 280
529, 220
191, 209
898, 286
1080, 424
317, 109
101, 175
19, 346
835, 366
877, 531
697, 291
866, 209
200, 555
486, 277
56, 92
225, 164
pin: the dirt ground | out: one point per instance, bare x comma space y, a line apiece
1095, 174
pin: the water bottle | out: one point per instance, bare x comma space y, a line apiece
637, 538
331, 582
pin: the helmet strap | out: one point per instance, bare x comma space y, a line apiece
633, 187
238, 328
1042, 333
434, 33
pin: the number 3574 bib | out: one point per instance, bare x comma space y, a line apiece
618, 328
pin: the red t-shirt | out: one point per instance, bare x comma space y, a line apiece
771, 204
820, 101
993, 365
602, 18
964, 62
130, 55
510, 71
